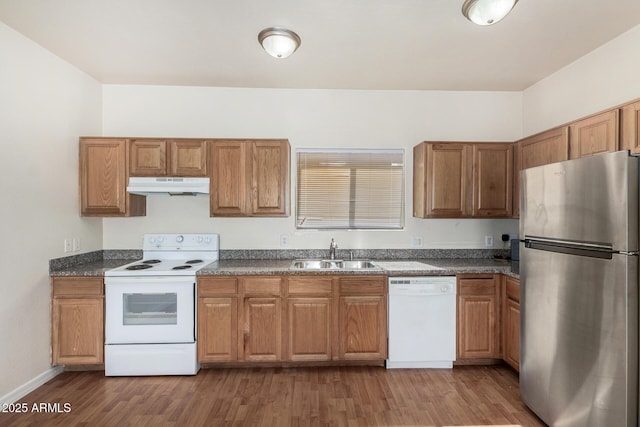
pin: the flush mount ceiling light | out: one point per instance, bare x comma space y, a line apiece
279, 42
487, 12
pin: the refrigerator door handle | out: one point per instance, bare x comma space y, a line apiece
593, 250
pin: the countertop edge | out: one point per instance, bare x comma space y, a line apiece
281, 267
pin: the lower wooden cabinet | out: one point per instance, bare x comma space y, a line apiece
217, 335
511, 324
309, 319
261, 323
292, 318
478, 317
77, 324
362, 318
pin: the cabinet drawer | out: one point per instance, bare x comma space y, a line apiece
262, 285
216, 286
477, 287
512, 289
77, 286
310, 285
363, 285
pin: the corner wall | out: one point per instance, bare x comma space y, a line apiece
604, 78
44, 105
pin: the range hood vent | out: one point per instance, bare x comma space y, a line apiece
168, 186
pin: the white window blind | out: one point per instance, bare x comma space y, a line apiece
350, 189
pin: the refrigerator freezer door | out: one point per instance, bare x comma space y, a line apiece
594, 199
579, 346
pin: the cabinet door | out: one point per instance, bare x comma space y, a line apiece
309, 328
217, 329
362, 327
478, 323
630, 127
269, 179
512, 334
262, 335
511, 324
103, 177
594, 135
492, 180
187, 157
441, 180
541, 149
148, 157
228, 178
77, 331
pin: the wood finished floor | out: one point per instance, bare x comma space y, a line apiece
328, 396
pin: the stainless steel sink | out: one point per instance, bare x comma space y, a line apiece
357, 264
331, 264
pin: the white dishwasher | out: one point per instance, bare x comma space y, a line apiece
422, 322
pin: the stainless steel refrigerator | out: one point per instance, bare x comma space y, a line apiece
579, 291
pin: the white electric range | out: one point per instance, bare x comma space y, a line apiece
150, 306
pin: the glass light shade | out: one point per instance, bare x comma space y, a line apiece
279, 42
487, 12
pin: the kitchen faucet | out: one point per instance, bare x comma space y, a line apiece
332, 249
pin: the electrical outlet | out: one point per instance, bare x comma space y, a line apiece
284, 240
76, 244
68, 245
416, 242
488, 241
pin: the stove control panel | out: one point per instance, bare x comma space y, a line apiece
181, 242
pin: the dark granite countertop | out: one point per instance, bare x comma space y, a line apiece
390, 267
423, 267
93, 268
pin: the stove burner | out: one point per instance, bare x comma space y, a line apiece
139, 267
194, 261
181, 267
151, 261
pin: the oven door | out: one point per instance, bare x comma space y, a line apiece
149, 310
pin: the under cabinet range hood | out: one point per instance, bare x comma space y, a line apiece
168, 186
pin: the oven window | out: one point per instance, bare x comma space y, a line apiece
150, 309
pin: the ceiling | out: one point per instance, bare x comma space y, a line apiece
346, 44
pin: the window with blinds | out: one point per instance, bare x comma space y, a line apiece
350, 189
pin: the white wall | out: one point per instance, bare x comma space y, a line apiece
44, 105
310, 119
604, 78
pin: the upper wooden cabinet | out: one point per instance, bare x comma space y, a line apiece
594, 135
457, 180
630, 127
175, 157
103, 179
537, 150
441, 176
492, 180
250, 177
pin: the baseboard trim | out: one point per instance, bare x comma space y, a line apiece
29, 386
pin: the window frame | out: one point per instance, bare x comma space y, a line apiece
351, 226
